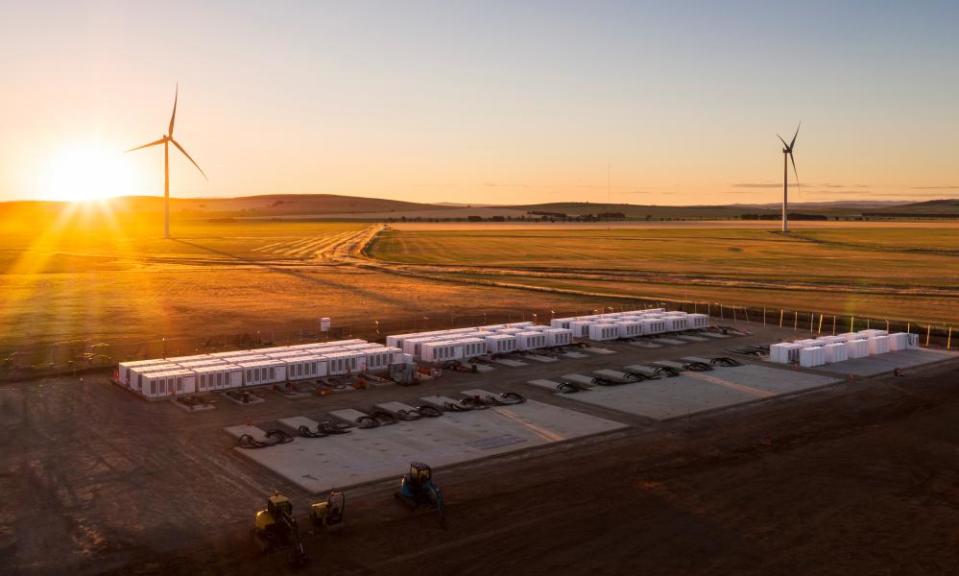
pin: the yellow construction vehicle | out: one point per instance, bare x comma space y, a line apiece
328, 514
275, 527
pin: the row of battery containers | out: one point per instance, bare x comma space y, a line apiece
631, 325
466, 343
810, 353
161, 378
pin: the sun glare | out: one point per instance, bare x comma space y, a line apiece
86, 172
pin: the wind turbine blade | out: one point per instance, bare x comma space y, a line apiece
154, 143
793, 158
794, 135
783, 141
177, 144
176, 96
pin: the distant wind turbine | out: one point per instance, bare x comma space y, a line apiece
787, 157
166, 140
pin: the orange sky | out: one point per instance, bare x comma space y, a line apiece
482, 103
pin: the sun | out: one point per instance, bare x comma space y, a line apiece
86, 172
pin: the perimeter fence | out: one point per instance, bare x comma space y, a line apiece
97, 353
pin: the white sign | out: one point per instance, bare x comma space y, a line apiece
324, 324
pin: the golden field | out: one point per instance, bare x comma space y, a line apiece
89, 276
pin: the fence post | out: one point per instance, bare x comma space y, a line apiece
833, 324
734, 314
795, 320
852, 323
908, 327
887, 326
820, 324
949, 339
764, 315
781, 317
928, 333
746, 313
812, 319
721, 313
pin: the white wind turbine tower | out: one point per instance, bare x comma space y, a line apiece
166, 140
787, 157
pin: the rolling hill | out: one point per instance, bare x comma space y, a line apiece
319, 206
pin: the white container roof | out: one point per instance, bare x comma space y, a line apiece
304, 358
179, 359
248, 359
139, 363
154, 367
171, 373
344, 354
216, 368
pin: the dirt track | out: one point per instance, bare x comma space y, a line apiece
859, 478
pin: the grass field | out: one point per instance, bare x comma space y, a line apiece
84, 278
905, 272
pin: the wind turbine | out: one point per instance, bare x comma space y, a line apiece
166, 140
787, 157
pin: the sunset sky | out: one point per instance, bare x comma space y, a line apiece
483, 102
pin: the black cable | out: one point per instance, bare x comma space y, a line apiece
428, 411
367, 422
383, 417
512, 398
333, 427
453, 407
408, 415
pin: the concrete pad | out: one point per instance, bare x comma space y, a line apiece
253, 398
484, 368
690, 338
339, 389
366, 455
349, 415
715, 335
439, 401
882, 363
694, 392
670, 341
194, 407
575, 355
509, 362
669, 364
296, 421
696, 359
395, 407
580, 379
645, 344
544, 383
538, 358
596, 350
240, 430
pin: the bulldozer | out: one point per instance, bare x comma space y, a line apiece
275, 527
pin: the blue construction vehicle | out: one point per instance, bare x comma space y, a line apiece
417, 490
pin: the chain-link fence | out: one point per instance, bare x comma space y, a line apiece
92, 354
